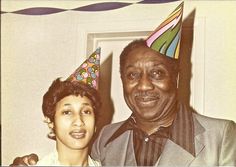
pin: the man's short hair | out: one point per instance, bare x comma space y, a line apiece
142, 43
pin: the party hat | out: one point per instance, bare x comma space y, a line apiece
166, 38
88, 71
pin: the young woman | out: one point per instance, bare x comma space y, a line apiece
70, 110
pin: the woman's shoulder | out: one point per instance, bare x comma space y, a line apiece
50, 159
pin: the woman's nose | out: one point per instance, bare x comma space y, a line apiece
78, 121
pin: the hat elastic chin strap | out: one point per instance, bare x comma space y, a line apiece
177, 81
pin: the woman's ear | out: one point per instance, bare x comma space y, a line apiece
50, 124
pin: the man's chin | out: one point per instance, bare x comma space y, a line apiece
145, 115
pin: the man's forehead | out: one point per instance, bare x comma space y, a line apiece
147, 63
146, 55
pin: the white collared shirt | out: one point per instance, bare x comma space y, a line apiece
52, 160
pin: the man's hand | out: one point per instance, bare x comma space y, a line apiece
26, 160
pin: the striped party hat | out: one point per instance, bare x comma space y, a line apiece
88, 71
166, 38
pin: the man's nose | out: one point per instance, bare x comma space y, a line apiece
78, 120
145, 83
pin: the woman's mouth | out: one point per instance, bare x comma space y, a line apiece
78, 134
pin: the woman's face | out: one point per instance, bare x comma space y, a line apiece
74, 122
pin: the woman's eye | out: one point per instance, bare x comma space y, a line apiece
87, 112
67, 112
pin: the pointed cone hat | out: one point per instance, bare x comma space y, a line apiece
166, 38
88, 71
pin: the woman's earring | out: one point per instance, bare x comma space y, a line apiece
51, 134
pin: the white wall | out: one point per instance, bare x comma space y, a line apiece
37, 49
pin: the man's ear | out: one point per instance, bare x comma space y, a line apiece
49, 122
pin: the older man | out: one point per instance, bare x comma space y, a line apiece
161, 130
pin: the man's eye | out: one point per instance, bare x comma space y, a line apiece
133, 75
67, 112
157, 74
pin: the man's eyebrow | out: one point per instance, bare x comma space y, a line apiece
158, 64
129, 66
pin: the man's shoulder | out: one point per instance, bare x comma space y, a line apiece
213, 123
112, 127
106, 132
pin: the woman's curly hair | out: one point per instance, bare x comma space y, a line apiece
60, 89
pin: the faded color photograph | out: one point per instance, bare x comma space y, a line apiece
118, 83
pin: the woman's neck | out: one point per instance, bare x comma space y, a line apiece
70, 157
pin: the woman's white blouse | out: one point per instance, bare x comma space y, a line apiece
52, 160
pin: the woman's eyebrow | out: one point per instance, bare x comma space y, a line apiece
86, 104
67, 104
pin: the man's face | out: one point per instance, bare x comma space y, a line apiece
148, 83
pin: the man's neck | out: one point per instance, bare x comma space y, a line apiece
151, 126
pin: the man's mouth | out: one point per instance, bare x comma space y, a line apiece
146, 101
78, 134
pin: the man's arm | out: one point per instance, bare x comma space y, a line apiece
26, 160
